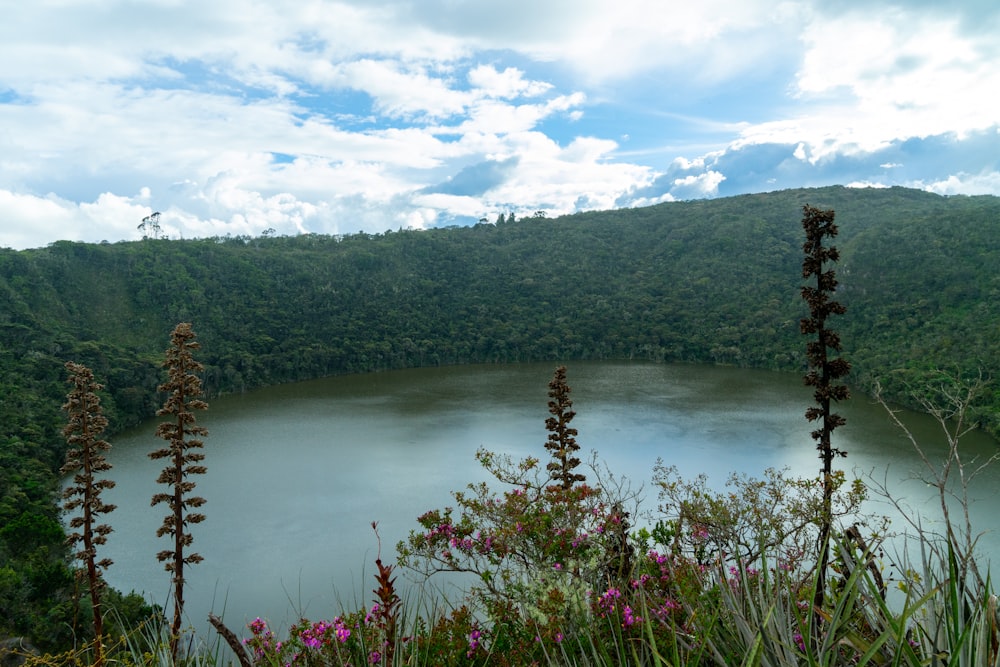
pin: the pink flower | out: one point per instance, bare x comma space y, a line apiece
641, 581
607, 599
342, 631
372, 613
473, 642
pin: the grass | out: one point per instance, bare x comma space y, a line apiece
752, 616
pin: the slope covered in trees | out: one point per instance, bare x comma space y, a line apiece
708, 281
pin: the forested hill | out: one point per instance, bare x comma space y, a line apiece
708, 281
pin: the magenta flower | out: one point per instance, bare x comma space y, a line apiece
607, 599
342, 631
473, 642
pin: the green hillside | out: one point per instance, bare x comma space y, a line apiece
713, 281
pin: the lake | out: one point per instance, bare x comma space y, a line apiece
297, 473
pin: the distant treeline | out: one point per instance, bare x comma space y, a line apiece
713, 281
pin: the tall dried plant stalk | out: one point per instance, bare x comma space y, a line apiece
183, 389
561, 442
824, 369
86, 422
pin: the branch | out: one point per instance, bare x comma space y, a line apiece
231, 639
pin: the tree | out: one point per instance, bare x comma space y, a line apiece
824, 370
150, 226
184, 388
562, 441
85, 424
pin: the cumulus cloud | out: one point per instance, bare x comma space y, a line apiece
342, 115
29, 217
984, 183
508, 84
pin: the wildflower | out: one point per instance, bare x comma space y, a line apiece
797, 637
473, 642
559, 637
342, 631
607, 599
663, 611
630, 617
262, 641
372, 613
657, 557
374, 657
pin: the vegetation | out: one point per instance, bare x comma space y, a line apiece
559, 576
85, 459
823, 371
183, 389
562, 437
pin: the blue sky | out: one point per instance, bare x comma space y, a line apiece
234, 116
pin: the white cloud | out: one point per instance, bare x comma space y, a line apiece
29, 217
987, 183
401, 92
882, 74
867, 184
507, 84
333, 115
696, 186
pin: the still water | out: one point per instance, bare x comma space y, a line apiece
297, 473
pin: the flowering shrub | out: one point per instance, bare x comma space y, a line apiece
775, 514
523, 543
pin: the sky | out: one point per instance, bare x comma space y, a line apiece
243, 117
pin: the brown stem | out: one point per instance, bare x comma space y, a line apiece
231, 639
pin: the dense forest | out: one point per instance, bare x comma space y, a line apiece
713, 281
